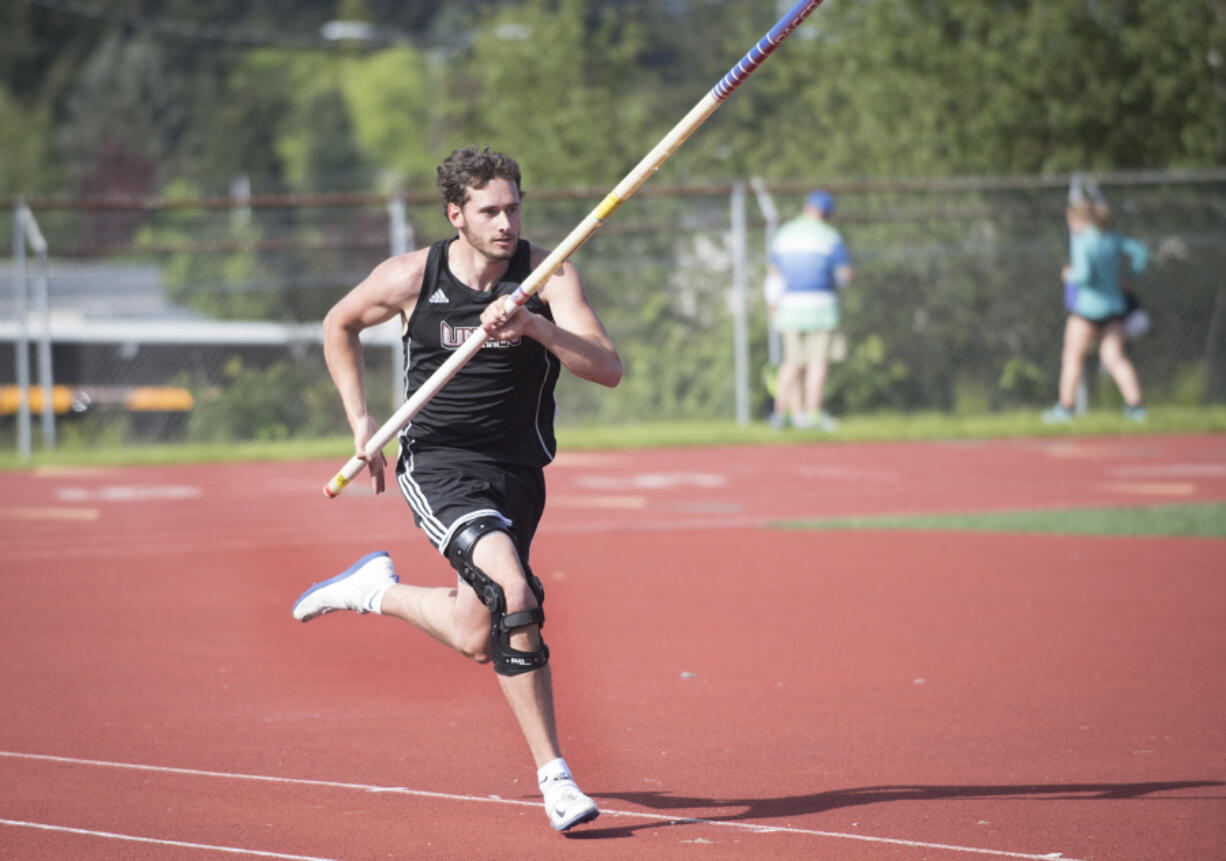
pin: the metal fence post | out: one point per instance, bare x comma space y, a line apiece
737, 301
22, 339
401, 241
766, 204
42, 310
240, 194
1211, 342
399, 229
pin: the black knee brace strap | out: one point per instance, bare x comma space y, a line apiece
508, 661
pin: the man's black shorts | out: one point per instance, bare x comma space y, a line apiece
447, 487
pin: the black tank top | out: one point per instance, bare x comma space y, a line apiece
501, 403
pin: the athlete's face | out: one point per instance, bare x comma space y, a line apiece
489, 219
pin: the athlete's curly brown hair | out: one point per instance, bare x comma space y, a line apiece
468, 167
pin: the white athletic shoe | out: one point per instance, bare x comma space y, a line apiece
359, 587
566, 805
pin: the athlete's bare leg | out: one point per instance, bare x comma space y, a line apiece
457, 618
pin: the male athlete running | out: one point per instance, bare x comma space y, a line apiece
471, 463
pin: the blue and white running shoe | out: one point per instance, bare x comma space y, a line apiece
359, 587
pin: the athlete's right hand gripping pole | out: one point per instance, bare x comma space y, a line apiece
590, 224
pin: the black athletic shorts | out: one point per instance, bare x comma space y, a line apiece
1099, 322
447, 487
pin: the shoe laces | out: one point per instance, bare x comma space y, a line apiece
560, 788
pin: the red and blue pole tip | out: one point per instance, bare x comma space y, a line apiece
763, 49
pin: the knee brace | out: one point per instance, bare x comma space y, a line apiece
508, 661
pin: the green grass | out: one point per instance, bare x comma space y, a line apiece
1199, 520
867, 428
885, 427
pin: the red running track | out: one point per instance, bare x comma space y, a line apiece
726, 689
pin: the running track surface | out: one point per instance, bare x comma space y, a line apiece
725, 689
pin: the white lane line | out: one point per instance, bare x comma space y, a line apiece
652, 481
1172, 470
132, 838
48, 512
1151, 488
123, 493
495, 799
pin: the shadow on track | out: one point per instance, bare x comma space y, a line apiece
762, 810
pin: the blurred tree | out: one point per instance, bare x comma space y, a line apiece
41, 51
23, 131
395, 99
240, 127
578, 89
559, 93
126, 107
910, 88
315, 161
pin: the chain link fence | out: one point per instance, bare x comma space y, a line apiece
198, 319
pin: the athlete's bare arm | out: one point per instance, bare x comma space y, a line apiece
576, 335
390, 289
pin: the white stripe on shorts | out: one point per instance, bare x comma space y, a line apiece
413, 495
439, 533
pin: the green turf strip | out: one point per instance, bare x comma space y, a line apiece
1201, 520
85, 447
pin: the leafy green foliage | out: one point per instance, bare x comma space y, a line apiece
252, 405
868, 380
396, 117
24, 167
577, 88
557, 89
184, 271
906, 88
1195, 520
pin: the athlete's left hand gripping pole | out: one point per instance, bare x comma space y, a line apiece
594, 220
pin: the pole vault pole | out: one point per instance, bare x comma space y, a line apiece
590, 224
